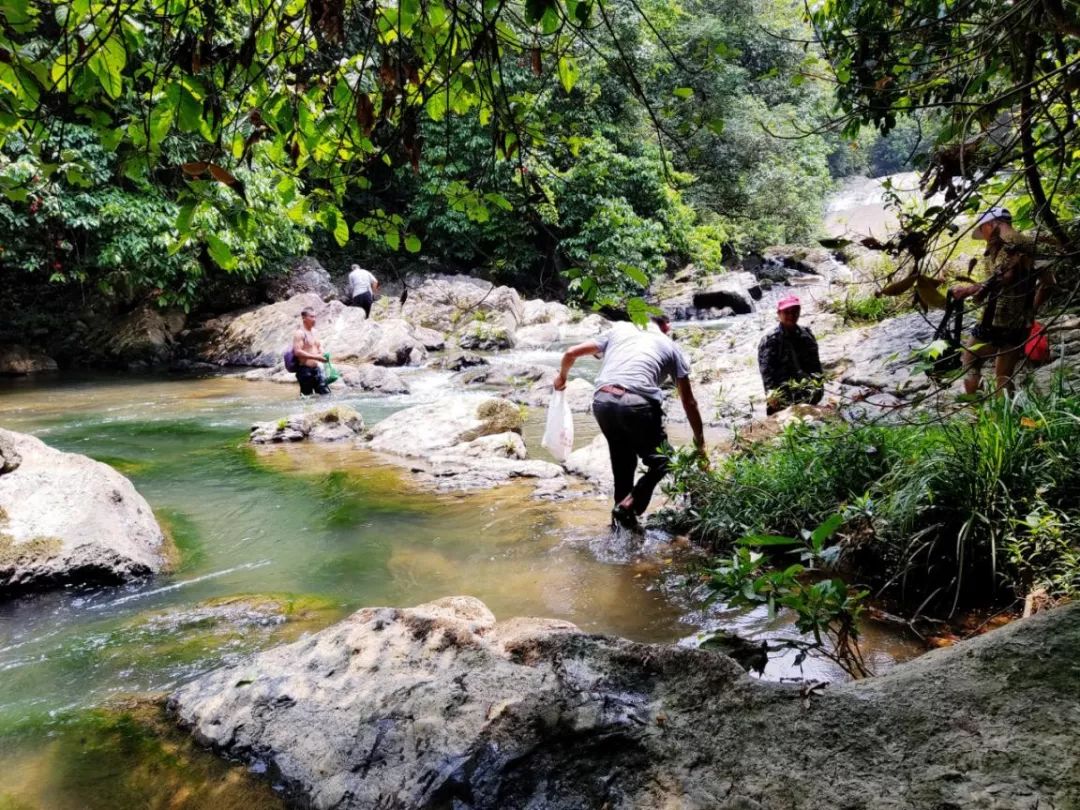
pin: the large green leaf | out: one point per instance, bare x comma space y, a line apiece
220, 252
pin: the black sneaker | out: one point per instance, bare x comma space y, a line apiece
624, 518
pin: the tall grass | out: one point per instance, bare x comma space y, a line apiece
977, 510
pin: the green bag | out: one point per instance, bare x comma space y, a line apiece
330, 374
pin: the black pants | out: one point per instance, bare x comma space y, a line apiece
634, 428
362, 300
311, 380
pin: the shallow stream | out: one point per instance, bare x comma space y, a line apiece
317, 531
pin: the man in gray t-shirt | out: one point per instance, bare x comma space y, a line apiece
627, 406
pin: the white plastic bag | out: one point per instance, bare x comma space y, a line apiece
559, 433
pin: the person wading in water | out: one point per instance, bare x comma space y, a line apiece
308, 351
627, 404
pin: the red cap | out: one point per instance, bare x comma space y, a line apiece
788, 303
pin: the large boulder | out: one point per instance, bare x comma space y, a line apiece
535, 312
331, 425
443, 706
306, 275
257, 337
503, 375
578, 393
67, 519
486, 336
736, 291
488, 461
593, 463
146, 336
17, 360
445, 303
451, 421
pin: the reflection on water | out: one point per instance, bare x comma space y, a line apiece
334, 524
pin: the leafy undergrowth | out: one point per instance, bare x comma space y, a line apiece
927, 518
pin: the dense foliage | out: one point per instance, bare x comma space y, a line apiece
997, 77
976, 510
155, 144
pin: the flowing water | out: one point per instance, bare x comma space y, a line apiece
312, 532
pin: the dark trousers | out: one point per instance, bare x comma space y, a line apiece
362, 300
634, 428
311, 380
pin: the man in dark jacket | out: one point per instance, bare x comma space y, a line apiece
789, 362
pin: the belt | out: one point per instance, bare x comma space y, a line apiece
617, 390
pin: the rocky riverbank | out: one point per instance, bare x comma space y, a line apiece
440, 706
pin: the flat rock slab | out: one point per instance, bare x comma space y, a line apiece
440, 706
67, 519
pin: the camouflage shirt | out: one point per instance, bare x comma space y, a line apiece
786, 358
1011, 275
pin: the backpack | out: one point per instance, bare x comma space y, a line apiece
290, 360
949, 331
1037, 346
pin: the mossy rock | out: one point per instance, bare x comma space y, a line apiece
223, 626
126, 755
498, 416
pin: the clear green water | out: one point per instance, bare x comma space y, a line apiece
333, 527
328, 521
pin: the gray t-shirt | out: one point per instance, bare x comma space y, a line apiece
638, 360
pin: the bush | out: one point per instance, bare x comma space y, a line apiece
977, 510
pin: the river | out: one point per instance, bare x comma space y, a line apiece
327, 528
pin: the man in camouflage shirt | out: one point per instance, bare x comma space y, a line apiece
1013, 292
788, 360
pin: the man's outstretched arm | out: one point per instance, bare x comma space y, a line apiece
693, 415
570, 356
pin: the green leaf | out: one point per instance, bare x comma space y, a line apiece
183, 219
683, 92
759, 540
107, 63
568, 72
635, 274
412, 243
220, 253
826, 530
499, 200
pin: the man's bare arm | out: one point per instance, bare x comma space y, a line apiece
693, 415
570, 356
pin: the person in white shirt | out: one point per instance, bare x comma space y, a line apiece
361, 288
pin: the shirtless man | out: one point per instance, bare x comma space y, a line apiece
308, 352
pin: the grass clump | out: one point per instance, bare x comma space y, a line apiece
978, 510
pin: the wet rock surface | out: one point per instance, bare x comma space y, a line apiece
17, 360
259, 336
442, 706
455, 420
67, 519
335, 424
306, 275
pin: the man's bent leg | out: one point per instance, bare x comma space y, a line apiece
974, 354
652, 439
1004, 367
608, 415
307, 385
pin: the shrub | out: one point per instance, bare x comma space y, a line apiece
977, 510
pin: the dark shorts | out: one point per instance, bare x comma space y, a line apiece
363, 300
1001, 337
311, 380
